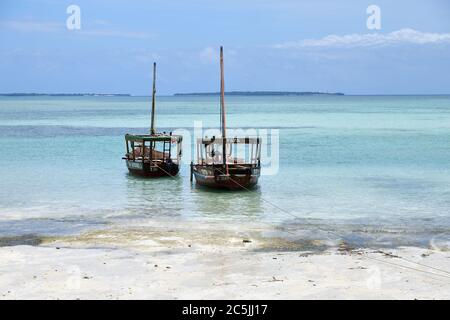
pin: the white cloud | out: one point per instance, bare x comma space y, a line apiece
209, 55
115, 33
403, 36
43, 26
30, 25
144, 56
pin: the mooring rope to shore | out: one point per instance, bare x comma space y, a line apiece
446, 275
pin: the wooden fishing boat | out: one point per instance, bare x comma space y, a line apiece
218, 162
154, 154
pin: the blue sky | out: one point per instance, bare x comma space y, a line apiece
269, 45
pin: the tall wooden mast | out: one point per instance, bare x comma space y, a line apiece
152, 128
222, 112
222, 96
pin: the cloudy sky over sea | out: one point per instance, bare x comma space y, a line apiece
269, 45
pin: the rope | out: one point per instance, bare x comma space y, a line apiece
399, 265
446, 275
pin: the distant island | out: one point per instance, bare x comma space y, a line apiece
230, 93
261, 93
65, 94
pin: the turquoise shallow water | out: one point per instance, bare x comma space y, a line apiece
361, 165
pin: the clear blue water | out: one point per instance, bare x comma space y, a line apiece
358, 164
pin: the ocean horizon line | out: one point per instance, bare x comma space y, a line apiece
232, 93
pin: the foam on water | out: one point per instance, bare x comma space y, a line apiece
375, 162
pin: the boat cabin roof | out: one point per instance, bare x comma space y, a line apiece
153, 137
220, 140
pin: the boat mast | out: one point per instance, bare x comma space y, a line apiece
222, 112
222, 96
152, 128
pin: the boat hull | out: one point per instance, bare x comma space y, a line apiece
232, 181
165, 169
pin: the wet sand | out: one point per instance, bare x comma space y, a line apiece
213, 262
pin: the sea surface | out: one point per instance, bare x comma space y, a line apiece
365, 169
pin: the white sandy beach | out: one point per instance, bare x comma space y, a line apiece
200, 263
